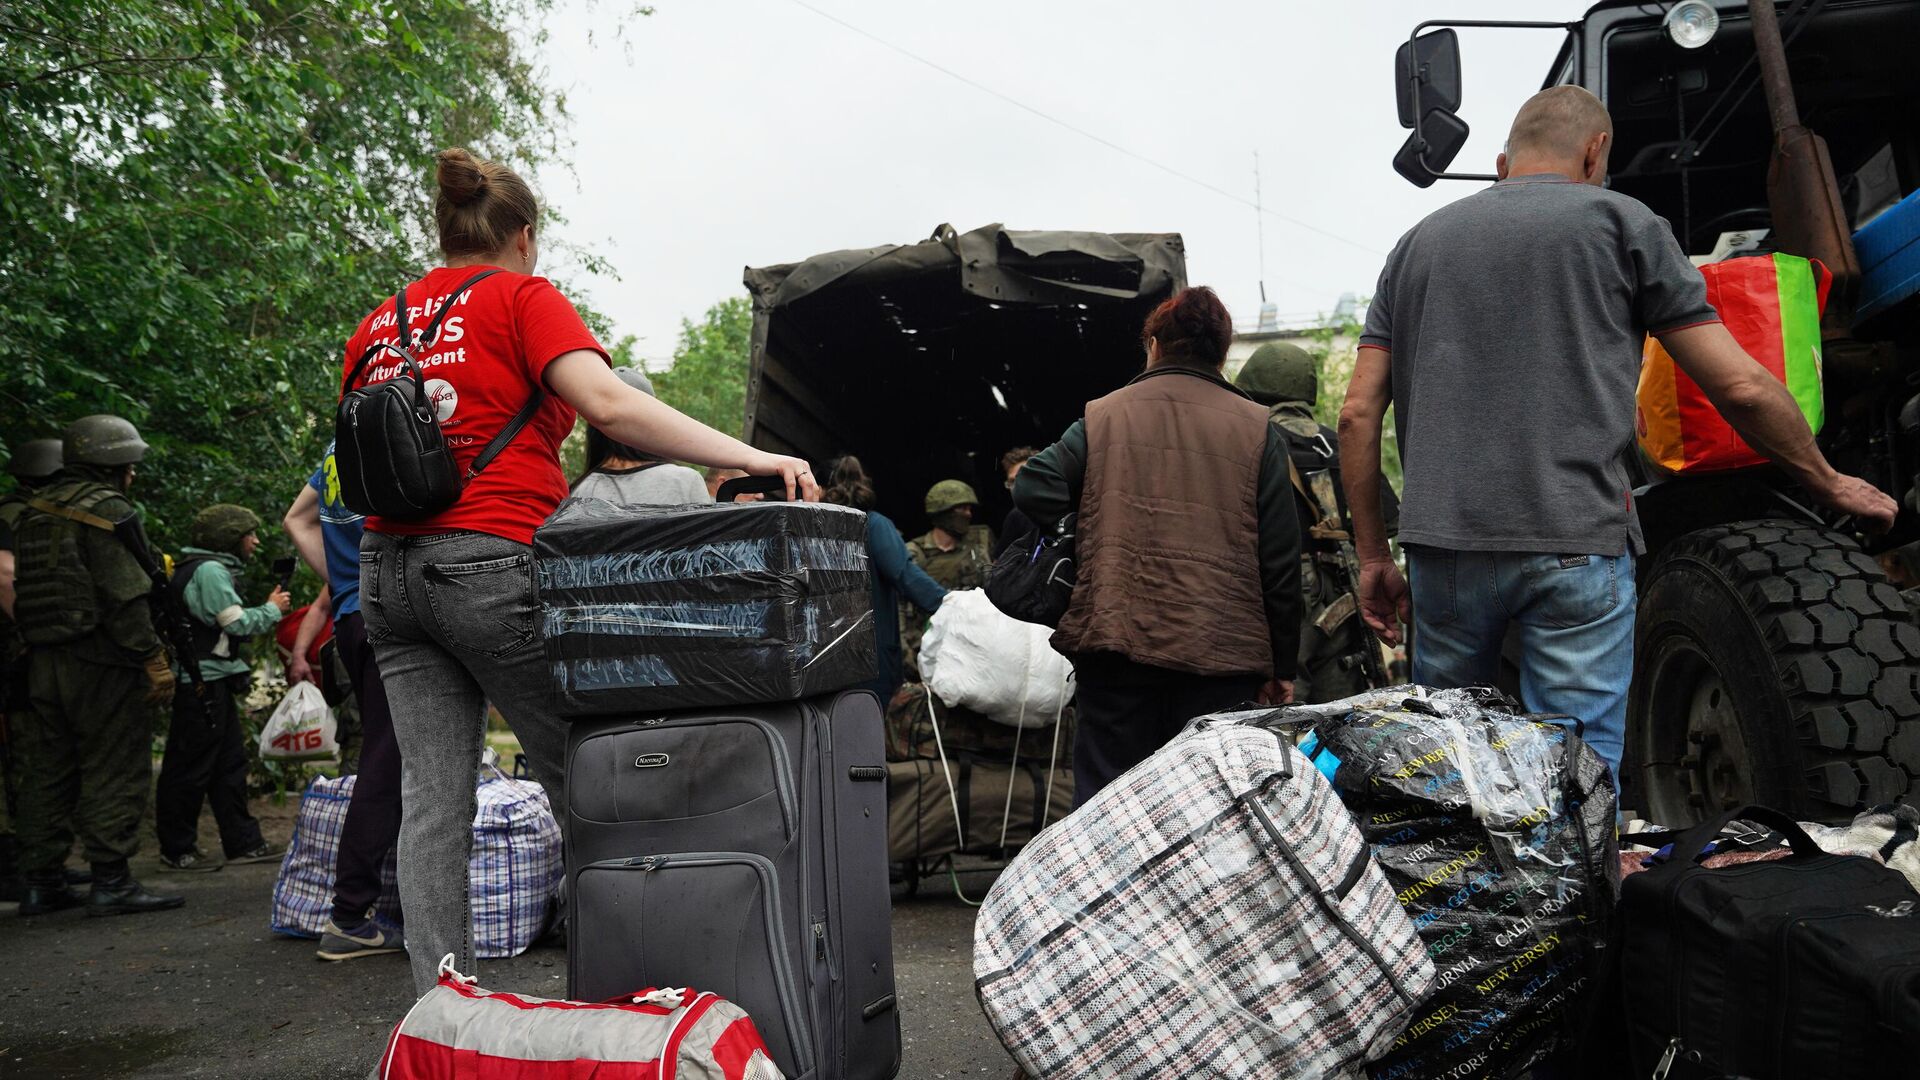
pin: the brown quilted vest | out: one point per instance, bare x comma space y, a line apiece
1168, 537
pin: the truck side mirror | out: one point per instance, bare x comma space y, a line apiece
1427, 152
1433, 59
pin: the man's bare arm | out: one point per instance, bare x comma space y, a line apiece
1767, 417
302, 523
1361, 420
6, 583
1384, 600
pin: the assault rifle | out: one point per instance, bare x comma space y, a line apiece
169, 615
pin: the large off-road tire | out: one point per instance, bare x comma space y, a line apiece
1774, 664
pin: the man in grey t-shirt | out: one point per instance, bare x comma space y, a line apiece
1506, 333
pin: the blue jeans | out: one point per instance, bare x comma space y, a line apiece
1574, 618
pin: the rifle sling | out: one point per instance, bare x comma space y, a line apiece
92, 521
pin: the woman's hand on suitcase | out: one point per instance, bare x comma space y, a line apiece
797, 473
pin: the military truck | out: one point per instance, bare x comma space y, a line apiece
930, 360
1776, 661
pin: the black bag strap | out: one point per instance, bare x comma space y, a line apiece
1694, 840
406, 346
500, 441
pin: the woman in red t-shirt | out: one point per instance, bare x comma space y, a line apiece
449, 601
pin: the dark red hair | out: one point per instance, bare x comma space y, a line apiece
1192, 327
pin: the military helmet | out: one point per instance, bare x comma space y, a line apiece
1279, 371
222, 526
948, 494
35, 459
102, 440
637, 379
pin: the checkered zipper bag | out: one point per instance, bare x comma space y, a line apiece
303, 892
512, 875
1212, 913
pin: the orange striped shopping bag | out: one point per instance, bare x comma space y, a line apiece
1771, 304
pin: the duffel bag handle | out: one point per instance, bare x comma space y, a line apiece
1694, 841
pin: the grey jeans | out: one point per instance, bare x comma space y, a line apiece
451, 618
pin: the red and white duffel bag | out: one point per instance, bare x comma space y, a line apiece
458, 1031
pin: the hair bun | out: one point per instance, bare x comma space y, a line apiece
459, 176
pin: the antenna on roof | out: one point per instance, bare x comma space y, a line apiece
1269, 312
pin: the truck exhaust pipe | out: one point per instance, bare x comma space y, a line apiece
1802, 193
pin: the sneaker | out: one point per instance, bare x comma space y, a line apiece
367, 939
265, 852
192, 862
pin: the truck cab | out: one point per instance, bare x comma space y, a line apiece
1777, 658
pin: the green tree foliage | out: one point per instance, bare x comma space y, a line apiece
205, 196
708, 379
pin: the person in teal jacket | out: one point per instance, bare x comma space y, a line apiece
207, 754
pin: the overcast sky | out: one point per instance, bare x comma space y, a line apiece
718, 134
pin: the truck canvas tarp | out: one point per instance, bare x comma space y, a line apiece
929, 360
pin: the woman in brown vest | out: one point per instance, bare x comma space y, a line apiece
1188, 599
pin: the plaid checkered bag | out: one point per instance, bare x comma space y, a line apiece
515, 869
512, 875
1213, 912
303, 893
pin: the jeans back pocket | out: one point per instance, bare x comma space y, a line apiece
1568, 591
485, 607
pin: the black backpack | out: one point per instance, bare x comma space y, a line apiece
392, 458
1033, 578
1801, 968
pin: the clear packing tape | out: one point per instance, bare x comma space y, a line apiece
654, 607
1496, 831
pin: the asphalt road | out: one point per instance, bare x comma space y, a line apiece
209, 991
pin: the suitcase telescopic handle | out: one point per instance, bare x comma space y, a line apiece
773, 487
1694, 840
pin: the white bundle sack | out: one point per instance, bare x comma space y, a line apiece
301, 729
975, 657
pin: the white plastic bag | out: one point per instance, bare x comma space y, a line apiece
301, 729
978, 658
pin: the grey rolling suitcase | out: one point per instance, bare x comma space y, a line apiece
743, 850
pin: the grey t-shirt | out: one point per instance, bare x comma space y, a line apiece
1515, 319
647, 485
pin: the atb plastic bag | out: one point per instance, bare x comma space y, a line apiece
301, 729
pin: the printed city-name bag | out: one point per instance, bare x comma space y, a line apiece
392, 457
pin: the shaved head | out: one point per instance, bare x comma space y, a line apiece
1558, 123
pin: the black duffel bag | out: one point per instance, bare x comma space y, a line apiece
1033, 578
1797, 969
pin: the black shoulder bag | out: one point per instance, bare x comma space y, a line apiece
392, 458
1033, 578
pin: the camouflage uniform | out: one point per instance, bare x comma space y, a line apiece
965, 567
1282, 377
94, 664
32, 463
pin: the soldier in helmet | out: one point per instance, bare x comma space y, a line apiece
207, 755
94, 665
1283, 377
33, 462
954, 552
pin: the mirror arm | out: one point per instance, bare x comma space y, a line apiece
1420, 76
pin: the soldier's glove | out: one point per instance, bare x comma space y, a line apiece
159, 679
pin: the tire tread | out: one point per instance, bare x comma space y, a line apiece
1846, 649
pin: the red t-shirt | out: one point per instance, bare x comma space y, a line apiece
492, 350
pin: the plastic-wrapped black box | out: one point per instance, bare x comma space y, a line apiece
647, 608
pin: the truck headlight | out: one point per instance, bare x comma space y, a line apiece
1691, 23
